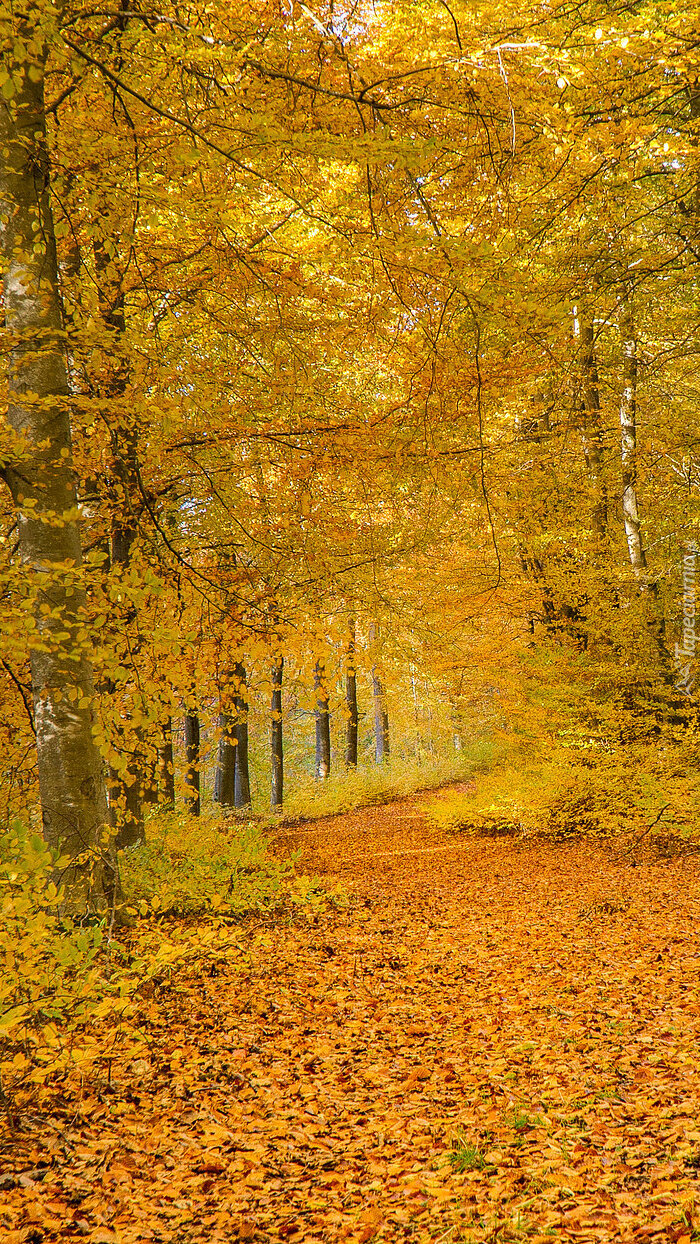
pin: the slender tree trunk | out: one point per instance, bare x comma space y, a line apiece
166, 766
351, 701
150, 783
381, 715
125, 794
42, 483
323, 723
630, 501
591, 430
628, 441
276, 742
126, 806
381, 718
225, 777
242, 791
192, 759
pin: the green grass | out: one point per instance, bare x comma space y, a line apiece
465, 1156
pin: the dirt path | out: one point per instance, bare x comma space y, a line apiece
539, 1006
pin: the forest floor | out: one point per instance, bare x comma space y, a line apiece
531, 1010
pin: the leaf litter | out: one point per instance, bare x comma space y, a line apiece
492, 1041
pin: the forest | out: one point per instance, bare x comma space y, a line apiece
349, 524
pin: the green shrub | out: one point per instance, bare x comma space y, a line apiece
191, 865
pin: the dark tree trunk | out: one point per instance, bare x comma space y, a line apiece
126, 806
225, 778
351, 702
242, 789
150, 784
276, 748
166, 766
126, 794
323, 723
192, 793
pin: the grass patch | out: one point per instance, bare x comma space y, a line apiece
466, 1156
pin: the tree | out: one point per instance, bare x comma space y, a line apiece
41, 479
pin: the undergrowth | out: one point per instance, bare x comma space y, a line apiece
69, 995
650, 793
189, 866
396, 779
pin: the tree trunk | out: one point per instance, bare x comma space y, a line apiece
166, 766
628, 441
242, 791
192, 795
351, 701
42, 484
591, 431
381, 716
276, 742
126, 795
126, 806
323, 723
225, 777
150, 782
630, 504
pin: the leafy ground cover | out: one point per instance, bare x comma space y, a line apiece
493, 1040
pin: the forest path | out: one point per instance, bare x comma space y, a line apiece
306, 1082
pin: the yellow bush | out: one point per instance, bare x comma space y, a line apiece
646, 792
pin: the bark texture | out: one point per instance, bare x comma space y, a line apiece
628, 441
42, 483
225, 776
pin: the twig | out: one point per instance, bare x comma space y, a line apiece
644, 832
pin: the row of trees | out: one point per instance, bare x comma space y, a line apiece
388, 314
232, 787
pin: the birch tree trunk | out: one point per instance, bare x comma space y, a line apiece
630, 501
628, 441
41, 480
